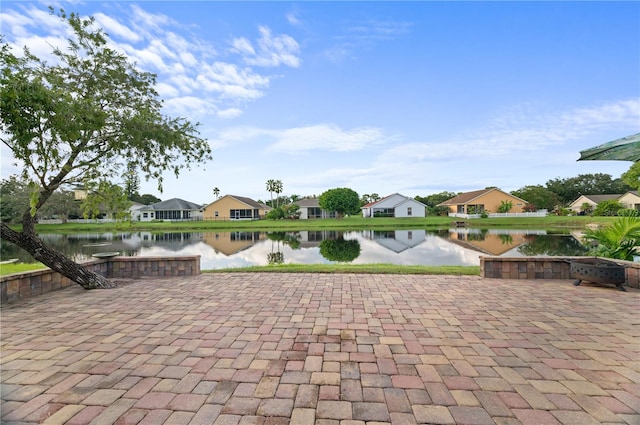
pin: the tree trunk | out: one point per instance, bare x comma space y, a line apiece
30, 242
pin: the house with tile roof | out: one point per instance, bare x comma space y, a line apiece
175, 209
395, 205
483, 201
232, 207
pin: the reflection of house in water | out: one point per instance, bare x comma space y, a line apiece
491, 241
312, 238
229, 243
396, 240
169, 240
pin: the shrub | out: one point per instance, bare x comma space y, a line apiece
628, 212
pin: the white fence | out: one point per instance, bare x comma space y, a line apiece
539, 213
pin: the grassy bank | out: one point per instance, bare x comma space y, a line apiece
348, 223
12, 268
6, 269
356, 268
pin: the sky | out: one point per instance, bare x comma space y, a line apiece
415, 97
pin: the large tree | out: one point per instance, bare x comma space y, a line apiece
570, 189
131, 181
342, 200
538, 196
632, 176
83, 118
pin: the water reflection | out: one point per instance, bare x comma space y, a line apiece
457, 246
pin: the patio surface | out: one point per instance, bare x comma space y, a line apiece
325, 349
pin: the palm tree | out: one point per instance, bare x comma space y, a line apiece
619, 240
278, 190
216, 192
271, 187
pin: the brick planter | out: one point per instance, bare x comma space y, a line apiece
19, 286
546, 268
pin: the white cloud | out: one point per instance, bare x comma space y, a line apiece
243, 46
229, 113
292, 18
272, 50
114, 28
184, 64
625, 113
166, 90
327, 137
359, 35
148, 20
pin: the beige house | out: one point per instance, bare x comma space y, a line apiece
629, 200
483, 201
593, 200
229, 243
231, 207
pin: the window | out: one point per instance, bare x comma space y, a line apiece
408, 210
145, 215
241, 214
314, 212
215, 214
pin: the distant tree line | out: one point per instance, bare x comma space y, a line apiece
557, 193
101, 200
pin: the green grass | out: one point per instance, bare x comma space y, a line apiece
355, 268
12, 268
348, 223
6, 269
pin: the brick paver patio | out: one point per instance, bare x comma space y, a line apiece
324, 349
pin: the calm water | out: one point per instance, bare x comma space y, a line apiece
239, 249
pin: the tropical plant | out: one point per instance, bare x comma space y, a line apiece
586, 208
619, 240
628, 212
608, 208
83, 117
505, 206
216, 192
278, 188
271, 187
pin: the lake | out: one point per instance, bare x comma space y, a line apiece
456, 246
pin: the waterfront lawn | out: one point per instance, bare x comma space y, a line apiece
11, 268
356, 268
347, 223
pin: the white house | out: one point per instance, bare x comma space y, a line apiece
134, 211
395, 205
310, 208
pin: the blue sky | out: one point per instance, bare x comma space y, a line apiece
381, 97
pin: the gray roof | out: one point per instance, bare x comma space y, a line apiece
248, 201
174, 204
308, 202
599, 198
